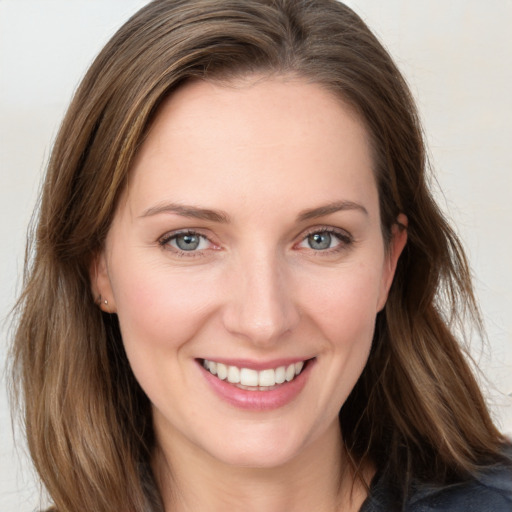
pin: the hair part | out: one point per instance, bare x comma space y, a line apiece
416, 411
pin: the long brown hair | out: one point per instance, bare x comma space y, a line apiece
416, 411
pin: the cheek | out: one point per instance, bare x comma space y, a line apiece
341, 309
159, 308
159, 314
344, 305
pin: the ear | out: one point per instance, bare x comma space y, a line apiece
100, 283
393, 251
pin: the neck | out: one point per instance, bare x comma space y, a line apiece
319, 479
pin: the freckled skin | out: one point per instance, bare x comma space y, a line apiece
262, 152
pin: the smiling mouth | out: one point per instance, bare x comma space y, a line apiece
254, 380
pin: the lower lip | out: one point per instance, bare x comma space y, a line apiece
259, 400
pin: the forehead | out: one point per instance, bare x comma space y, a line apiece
269, 136
251, 101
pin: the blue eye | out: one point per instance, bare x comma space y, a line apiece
328, 239
320, 241
186, 241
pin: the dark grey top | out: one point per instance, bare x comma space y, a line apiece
488, 492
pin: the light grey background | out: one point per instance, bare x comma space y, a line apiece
457, 57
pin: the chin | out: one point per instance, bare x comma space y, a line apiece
259, 451
257, 459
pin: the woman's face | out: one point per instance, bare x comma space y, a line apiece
248, 242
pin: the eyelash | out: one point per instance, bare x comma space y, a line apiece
344, 238
164, 242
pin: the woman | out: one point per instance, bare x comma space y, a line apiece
242, 294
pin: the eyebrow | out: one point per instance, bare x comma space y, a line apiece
187, 211
222, 217
327, 209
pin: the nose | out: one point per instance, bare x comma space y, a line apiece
261, 306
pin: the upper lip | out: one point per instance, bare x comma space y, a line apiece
257, 365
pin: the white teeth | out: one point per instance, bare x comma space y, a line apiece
212, 366
222, 371
253, 378
280, 375
248, 377
267, 378
233, 375
290, 372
